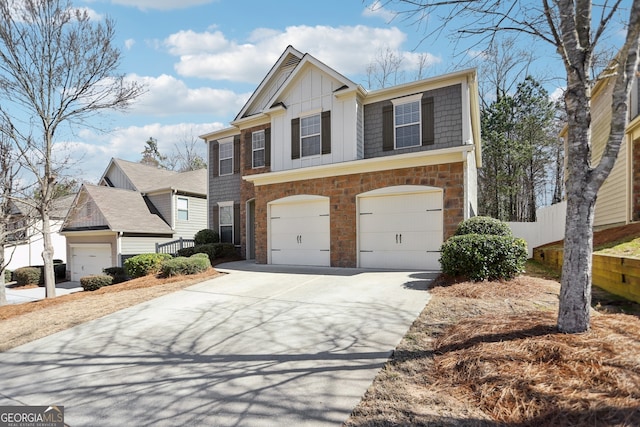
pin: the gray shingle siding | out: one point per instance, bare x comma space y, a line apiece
223, 189
447, 118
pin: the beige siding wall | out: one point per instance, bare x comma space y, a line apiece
86, 214
140, 245
611, 206
197, 218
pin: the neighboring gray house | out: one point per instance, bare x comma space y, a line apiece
134, 207
315, 170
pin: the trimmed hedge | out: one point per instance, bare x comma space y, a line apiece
483, 225
28, 275
118, 274
95, 282
206, 236
144, 264
213, 250
183, 265
483, 257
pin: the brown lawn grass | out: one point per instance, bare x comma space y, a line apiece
488, 354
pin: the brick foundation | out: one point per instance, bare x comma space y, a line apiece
342, 191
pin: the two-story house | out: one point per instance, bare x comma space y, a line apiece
315, 170
133, 207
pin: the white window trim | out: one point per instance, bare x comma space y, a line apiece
264, 150
223, 205
307, 115
178, 210
407, 100
220, 159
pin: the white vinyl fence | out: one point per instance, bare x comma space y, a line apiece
548, 228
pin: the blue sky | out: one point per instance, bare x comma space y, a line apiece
201, 59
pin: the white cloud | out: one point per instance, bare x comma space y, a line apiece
128, 43
92, 151
348, 49
167, 95
377, 10
162, 4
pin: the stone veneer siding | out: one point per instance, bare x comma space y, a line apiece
342, 191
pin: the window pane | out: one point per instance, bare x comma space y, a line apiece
226, 234
258, 140
183, 215
311, 146
310, 125
226, 215
258, 158
407, 136
183, 204
226, 167
407, 113
226, 150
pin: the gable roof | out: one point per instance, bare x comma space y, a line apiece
59, 207
286, 69
124, 210
149, 179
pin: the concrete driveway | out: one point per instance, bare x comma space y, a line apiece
260, 346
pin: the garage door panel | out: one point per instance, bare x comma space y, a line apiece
401, 230
401, 260
89, 260
409, 221
300, 233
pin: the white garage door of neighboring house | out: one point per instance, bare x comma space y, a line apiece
299, 231
401, 228
89, 259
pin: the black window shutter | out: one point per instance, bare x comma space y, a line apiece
214, 152
236, 154
428, 137
295, 138
248, 150
387, 127
267, 147
236, 224
215, 218
326, 131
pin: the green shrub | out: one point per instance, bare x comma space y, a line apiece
213, 250
187, 252
144, 264
7, 276
93, 283
483, 257
182, 265
28, 276
483, 225
206, 236
118, 274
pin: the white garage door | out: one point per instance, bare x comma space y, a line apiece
89, 259
299, 232
401, 231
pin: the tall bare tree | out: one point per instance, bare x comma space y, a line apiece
186, 155
576, 31
57, 68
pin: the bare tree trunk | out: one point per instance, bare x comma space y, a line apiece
3, 291
47, 258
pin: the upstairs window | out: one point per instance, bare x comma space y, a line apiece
310, 135
257, 148
183, 209
407, 124
226, 158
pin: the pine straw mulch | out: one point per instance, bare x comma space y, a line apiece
488, 354
22, 323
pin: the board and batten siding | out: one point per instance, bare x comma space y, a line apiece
119, 179
311, 93
197, 218
611, 205
86, 214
